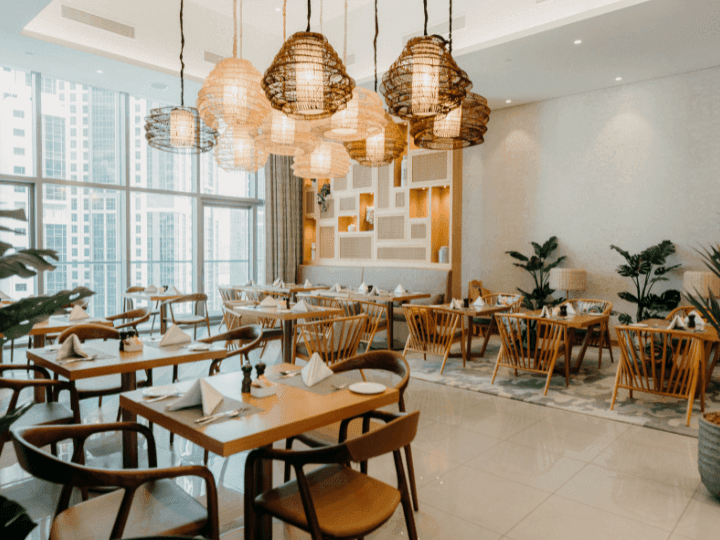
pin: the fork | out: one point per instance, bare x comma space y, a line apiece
71, 360
341, 387
227, 414
292, 373
160, 398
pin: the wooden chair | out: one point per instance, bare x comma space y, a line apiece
132, 318
433, 331
530, 344
476, 290
149, 502
334, 339
334, 500
229, 297
662, 362
321, 301
682, 312
199, 300
47, 413
599, 338
238, 342
377, 317
389, 361
272, 329
128, 303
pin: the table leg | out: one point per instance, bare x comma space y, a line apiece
569, 339
264, 481
288, 342
488, 333
128, 382
586, 342
390, 326
468, 349
38, 343
709, 348
163, 316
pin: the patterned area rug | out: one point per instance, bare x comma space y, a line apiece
590, 391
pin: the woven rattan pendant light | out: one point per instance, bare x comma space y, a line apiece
363, 116
237, 150
307, 79
231, 95
424, 80
462, 127
384, 147
179, 130
328, 160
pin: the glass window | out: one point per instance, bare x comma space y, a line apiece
101, 263
12, 197
18, 132
18, 170
16, 120
216, 181
54, 146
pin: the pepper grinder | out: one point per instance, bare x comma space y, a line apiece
287, 302
247, 381
691, 321
260, 369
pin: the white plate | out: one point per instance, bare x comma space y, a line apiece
199, 347
367, 388
160, 391
52, 348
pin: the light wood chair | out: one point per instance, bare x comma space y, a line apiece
229, 297
321, 301
388, 361
128, 303
334, 339
661, 362
682, 312
476, 290
149, 502
433, 330
334, 500
272, 328
199, 304
377, 317
600, 338
130, 319
530, 344
483, 325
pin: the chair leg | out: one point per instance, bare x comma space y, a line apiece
411, 477
207, 322
447, 353
288, 446
609, 345
405, 501
152, 326
195, 332
497, 365
175, 373
206, 457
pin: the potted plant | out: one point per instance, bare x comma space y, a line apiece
16, 320
538, 267
322, 195
709, 433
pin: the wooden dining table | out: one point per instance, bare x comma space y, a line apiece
291, 412
154, 297
112, 361
290, 289
288, 318
470, 314
385, 297
57, 324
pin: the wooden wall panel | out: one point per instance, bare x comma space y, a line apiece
401, 253
390, 227
327, 242
355, 247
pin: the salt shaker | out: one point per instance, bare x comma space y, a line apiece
247, 381
260, 369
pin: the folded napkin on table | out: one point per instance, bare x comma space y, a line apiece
175, 336
335, 288
4, 296
250, 283
456, 304
315, 292
307, 283
173, 290
200, 393
677, 324
545, 313
300, 307
268, 301
363, 289
276, 283
78, 314
315, 371
375, 292
699, 321
151, 289
400, 290
479, 302
71, 348
570, 309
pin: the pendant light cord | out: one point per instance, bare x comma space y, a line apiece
309, 13
345, 41
450, 27
375, 43
426, 16
234, 28
321, 3
182, 62
284, 19
240, 32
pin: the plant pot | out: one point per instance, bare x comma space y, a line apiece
709, 453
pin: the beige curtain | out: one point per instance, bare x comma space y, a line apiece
283, 220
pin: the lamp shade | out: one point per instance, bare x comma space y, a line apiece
179, 130
328, 160
380, 149
462, 127
237, 150
284, 136
701, 283
568, 279
364, 116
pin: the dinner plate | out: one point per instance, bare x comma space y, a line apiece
159, 391
199, 347
367, 388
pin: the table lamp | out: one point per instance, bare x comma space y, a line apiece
702, 284
568, 279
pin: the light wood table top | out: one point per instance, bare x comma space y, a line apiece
472, 311
283, 314
289, 413
579, 320
287, 289
352, 294
151, 297
116, 361
708, 334
60, 323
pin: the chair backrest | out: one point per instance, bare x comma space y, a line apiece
390, 361
240, 340
321, 301
476, 290
589, 305
682, 312
432, 330
228, 294
511, 299
333, 339
659, 360
199, 300
232, 318
132, 318
90, 331
377, 315
392, 436
135, 288
529, 343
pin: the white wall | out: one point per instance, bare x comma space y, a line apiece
630, 165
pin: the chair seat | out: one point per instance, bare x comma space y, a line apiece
481, 320
329, 435
190, 319
45, 413
331, 487
160, 507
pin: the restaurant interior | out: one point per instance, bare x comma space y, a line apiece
345, 269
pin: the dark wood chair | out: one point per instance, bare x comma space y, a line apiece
48, 413
389, 361
148, 503
130, 319
238, 342
128, 303
334, 500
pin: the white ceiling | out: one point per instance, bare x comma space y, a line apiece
512, 49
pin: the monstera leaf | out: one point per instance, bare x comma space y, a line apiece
710, 309
538, 267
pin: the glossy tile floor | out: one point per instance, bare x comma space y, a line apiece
486, 467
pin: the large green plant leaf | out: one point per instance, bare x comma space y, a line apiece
22, 263
17, 319
7, 420
15, 523
18, 214
517, 255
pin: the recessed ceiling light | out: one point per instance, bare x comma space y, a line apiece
618, 78
508, 101
100, 71
578, 41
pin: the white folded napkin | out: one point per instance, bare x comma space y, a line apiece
677, 324
335, 288
276, 283
4, 296
479, 302
175, 336
269, 301
250, 283
545, 313
400, 290
151, 289
570, 309
375, 292
200, 393
174, 290
699, 321
555, 311
456, 304
78, 314
315, 371
71, 348
315, 292
363, 289
307, 284
300, 307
